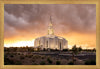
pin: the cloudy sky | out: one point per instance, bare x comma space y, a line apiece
25, 22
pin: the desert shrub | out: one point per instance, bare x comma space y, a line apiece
18, 63
42, 63
71, 63
26, 55
36, 56
30, 56
44, 49
65, 49
49, 60
33, 57
48, 56
90, 62
58, 62
56, 50
11, 56
42, 57
14, 53
22, 54
7, 61
5, 55
18, 53
93, 62
52, 50
22, 57
33, 60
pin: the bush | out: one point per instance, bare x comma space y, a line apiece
11, 56
36, 57
22, 54
44, 49
49, 60
7, 61
34, 64
29, 56
42, 63
22, 57
93, 62
14, 53
57, 62
90, 62
71, 63
42, 57
5, 55
26, 55
18, 53
33, 60
18, 63
65, 49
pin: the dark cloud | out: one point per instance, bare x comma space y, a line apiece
34, 18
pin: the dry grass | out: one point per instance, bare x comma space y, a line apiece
36, 59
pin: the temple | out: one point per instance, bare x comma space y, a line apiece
51, 41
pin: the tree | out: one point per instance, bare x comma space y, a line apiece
65, 49
75, 51
44, 49
94, 50
80, 49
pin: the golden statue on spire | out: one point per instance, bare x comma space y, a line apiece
50, 28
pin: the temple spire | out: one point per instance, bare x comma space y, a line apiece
50, 28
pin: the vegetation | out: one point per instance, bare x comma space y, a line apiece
28, 55
94, 50
8, 61
32, 49
19, 49
58, 62
18, 63
71, 63
42, 63
75, 51
49, 60
22, 57
11, 55
80, 49
65, 49
89, 50
90, 62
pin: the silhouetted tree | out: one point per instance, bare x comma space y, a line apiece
80, 49
44, 49
75, 51
94, 50
65, 49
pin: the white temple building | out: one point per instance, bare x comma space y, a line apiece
51, 41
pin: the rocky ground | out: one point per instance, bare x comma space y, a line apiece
47, 58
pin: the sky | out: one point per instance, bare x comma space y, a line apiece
25, 22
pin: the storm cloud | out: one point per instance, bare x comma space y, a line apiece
33, 19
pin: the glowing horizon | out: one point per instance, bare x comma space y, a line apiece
31, 44
71, 42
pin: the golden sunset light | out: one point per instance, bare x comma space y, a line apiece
85, 41
76, 23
